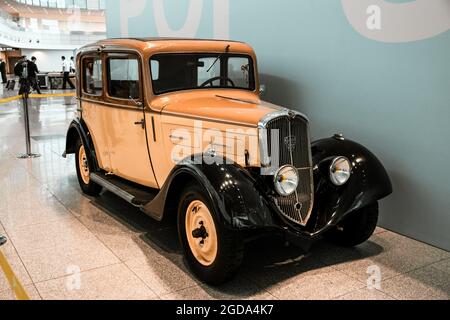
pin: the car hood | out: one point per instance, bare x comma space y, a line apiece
225, 106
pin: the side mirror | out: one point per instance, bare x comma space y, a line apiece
262, 89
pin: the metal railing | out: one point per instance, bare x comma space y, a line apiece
14, 36
65, 4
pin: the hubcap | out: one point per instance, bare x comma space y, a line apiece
83, 164
201, 233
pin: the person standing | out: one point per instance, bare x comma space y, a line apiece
66, 73
21, 71
32, 75
72, 65
3, 70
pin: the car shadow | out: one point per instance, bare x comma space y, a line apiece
270, 257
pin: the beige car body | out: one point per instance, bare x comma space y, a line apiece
123, 147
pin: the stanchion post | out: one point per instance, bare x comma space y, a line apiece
25, 92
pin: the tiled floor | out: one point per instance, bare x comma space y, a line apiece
63, 245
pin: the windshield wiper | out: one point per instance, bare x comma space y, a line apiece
218, 57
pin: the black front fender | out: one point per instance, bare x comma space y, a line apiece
78, 130
232, 189
369, 181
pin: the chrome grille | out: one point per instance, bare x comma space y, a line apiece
294, 149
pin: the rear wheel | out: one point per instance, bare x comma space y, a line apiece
356, 228
212, 252
84, 171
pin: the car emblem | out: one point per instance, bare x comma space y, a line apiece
290, 142
298, 206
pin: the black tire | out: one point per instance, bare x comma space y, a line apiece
356, 228
230, 248
88, 187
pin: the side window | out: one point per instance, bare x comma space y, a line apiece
239, 71
92, 76
123, 78
204, 65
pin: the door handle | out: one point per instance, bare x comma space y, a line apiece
140, 123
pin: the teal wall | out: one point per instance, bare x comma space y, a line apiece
392, 96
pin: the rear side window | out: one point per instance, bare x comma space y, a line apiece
123, 78
92, 76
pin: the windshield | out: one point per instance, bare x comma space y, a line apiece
187, 71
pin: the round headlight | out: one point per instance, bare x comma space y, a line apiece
286, 180
340, 171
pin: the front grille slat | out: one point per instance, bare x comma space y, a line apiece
294, 149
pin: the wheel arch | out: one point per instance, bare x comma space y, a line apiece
237, 202
78, 130
368, 183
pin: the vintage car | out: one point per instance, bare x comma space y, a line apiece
177, 128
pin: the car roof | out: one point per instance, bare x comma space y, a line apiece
167, 45
152, 39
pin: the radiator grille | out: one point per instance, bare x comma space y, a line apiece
293, 149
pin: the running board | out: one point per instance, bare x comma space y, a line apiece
131, 192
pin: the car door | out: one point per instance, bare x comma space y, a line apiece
95, 112
129, 154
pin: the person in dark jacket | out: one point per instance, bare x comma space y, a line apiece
3, 70
32, 75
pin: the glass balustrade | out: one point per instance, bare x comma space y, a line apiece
31, 33
66, 4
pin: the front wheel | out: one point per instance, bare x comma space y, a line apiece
84, 170
212, 252
356, 228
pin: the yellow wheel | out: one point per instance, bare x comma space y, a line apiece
83, 166
212, 251
201, 233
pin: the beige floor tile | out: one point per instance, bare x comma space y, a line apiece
392, 253
100, 222
443, 265
237, 289
57, 261
324, 283
163, 276
379, 230
365, 294
426, 283
110, 283
128, 246
72, 198
29, 289
286, 273
16, 265
119, 238
17, 218
66, 231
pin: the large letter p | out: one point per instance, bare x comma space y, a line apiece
129, 9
